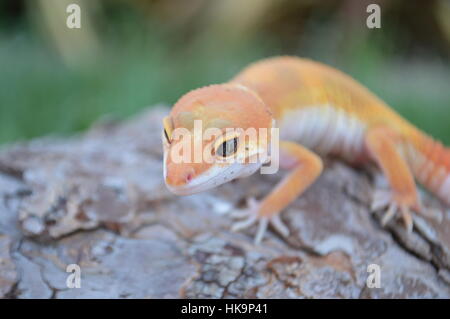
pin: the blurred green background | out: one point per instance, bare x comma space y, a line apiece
129, 55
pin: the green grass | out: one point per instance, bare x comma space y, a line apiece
40, 95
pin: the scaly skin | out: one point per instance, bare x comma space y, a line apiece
319, 110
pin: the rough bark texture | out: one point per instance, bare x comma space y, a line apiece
98, 200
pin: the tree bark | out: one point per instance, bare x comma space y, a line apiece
98, 200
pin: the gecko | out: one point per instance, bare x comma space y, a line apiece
319, 111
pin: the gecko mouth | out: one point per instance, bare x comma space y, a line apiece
202, 183
213, 178
186, 189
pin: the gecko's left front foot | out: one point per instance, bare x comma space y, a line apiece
251, 216
385, 199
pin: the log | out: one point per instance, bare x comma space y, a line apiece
98, 200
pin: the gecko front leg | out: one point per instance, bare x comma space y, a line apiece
381, 142
305, 167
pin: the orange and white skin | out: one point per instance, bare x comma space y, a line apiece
320, 111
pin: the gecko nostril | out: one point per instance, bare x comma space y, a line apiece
189, 177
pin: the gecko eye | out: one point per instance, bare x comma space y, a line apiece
227, 148
167, 136
167, 126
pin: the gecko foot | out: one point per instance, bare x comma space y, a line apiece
385, 199
250, 216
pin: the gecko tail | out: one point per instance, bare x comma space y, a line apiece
430, 163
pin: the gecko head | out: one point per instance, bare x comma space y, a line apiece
213, 135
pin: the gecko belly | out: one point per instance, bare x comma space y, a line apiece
326, 130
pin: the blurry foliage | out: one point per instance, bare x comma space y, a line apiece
132, 54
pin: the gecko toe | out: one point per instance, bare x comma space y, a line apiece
381, 199
389, 214
279, 226
407, 218
405, 212
239, 214
250, 216
244, 224
262, 227
432, 213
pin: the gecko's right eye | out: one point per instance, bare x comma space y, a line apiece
167, 126
167, 136
228, 147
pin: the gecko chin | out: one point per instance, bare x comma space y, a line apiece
184, 190
212, 178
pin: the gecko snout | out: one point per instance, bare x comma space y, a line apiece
178, 175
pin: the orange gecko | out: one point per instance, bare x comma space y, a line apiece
318, 111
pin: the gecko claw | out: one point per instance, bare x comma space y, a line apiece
381, 199
389, 214
251, 217
244, 223
279, 226
407, 218
262, 227
384, 199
